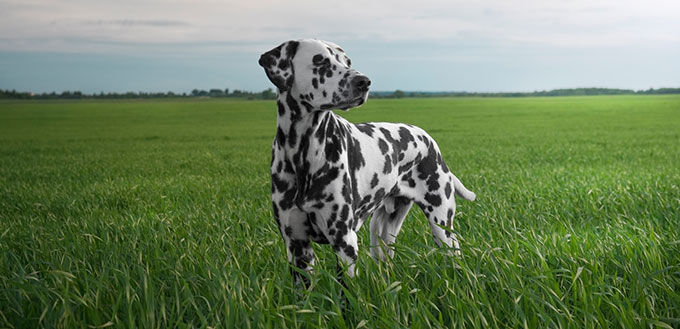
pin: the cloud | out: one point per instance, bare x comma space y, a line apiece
77, 24
137, 22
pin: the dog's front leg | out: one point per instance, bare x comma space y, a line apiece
345, 245
293, 225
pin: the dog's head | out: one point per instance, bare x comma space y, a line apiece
316, 72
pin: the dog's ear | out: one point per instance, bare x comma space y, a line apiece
278, 64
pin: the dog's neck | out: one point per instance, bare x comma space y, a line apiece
296, 120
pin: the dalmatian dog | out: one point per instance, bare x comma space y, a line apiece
329, 175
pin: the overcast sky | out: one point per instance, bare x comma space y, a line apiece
178, 45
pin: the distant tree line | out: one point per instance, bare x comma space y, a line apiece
212, 93
271, 94
544, 93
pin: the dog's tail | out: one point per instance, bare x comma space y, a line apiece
462, 191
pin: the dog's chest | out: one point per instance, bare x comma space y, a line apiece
343, 164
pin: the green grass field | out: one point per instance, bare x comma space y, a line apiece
156, 214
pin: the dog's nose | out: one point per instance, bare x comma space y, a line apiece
361, 82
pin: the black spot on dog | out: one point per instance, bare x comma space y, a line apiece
432, 183
291, 49
292, 137
447, 190
349, 251
328, 137
282, 110
295, 112
427, 169
269, 58
387, 134
398, 146
344, 214
383, 146
284, 64
407, 177
441, 163
288, 167
388, 165
308, 107
354, 156
379, 194
319, 183
279, 184
365, 201
355, 161
346, 193
366, 128
320, 134
405, 137
374, 181
333, 150
433, 199
280, 136
288, 199
405, 167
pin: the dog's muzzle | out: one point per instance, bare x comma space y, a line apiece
360, 84
357, 93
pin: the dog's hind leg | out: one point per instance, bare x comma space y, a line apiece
386, 224
439, 206
378, 220
439, 217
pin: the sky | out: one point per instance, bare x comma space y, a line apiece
485, 46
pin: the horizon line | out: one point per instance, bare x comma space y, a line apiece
375, 91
